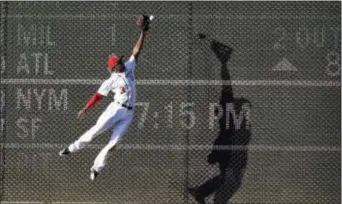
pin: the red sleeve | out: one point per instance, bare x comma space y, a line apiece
96, 97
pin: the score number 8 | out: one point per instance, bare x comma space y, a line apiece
333, 68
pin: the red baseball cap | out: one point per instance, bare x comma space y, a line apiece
113, 60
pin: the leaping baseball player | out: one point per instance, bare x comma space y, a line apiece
119, 112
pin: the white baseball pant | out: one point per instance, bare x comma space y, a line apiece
115, 115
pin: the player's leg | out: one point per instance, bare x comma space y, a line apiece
89, 135
207, 188
119, 130
105, 121
228, 187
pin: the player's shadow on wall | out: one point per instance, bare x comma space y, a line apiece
230, 147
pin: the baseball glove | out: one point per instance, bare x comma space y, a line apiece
143, 22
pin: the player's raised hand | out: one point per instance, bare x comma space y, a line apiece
144, 21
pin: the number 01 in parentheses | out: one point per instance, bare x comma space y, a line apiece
156, 121
281, 38
143, 114
168, 108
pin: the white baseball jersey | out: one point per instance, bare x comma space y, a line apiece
122, 84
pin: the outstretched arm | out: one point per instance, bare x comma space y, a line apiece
93, 100
138, 46
104, 89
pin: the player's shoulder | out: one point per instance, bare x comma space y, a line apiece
113, 77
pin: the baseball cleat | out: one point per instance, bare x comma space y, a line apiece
64, 152
194, 194
93, 175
